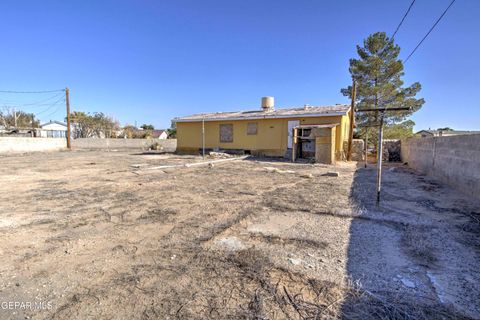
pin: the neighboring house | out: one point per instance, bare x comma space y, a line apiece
53, 129
321, 131
159, 134
443, 133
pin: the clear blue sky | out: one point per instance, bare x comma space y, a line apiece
149, 61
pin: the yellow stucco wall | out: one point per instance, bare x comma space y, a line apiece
270, 140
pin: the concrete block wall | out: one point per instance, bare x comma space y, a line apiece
454, 160
29, 144
169, 145
358, 148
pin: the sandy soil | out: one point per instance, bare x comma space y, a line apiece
96, 235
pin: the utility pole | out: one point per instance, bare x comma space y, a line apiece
379, 157
366, 147
15, 118
381, 113
352, 120
203, 138
67, 101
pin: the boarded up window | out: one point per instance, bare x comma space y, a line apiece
252, 128
226, 133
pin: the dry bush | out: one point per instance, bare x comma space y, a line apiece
246, 285
154, 215
301, 242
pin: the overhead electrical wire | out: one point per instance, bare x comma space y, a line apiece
32, 105
429, 31
45, 91
403, 19
51, 106
55, 111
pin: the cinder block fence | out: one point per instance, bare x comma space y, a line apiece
454, 160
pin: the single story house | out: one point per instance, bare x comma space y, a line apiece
159, 134
442, 133
315, 132
53, 129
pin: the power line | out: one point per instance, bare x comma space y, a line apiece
403, 19
56, 110
434, 25
45, 91
31, 105
51, 106
44, 100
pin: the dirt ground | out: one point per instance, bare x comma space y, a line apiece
101, 235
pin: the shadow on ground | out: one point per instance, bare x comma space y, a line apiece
414, 255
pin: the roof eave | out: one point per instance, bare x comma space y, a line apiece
305, 115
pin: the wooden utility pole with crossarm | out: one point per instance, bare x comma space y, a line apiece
381, 111
67, 102
352, 121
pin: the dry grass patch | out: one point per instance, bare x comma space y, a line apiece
417, 242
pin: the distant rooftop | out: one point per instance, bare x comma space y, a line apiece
307, 111
446, 132
54, 121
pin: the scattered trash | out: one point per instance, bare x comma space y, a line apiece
231, 243
139, 165
306, 175
295, 262
194, 164
331, 174
438, 289
272, 169
156, 146
220, 155
406, 282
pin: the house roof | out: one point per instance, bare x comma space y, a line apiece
157, 133
51, 122
310, 111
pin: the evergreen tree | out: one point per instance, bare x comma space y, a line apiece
378, 74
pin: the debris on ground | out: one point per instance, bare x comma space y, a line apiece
139, 165
200, 243
406, 282
276, 170
231, 243
331, 174
306, 175
295, 262
219, 155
